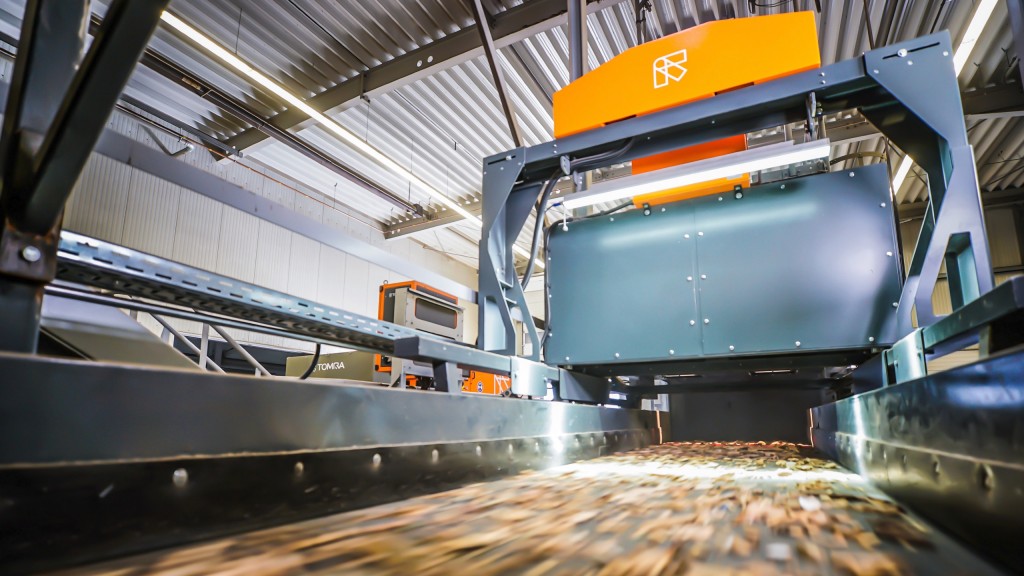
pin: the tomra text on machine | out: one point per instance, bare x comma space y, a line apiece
739, 267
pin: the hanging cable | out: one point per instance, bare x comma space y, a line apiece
549, 185
312, 365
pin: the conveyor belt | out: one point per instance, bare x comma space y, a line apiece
671, 509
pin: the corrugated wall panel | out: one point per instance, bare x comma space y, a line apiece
151, 215
239, 232
332, 277
1002, 237
303, 267
100, 210
273, 252
197, 234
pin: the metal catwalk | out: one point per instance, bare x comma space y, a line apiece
701, 508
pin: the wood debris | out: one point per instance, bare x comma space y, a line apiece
681, 508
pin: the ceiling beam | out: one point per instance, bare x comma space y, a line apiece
511, 26
993, 102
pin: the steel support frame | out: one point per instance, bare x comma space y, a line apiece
58, 104
883, 84
483, 26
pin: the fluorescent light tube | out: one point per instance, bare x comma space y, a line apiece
974, 29
349, 137
901, 173
753, 160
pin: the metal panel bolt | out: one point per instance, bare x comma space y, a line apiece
299, 468
566, 358
888, 254
882, 204
435, 455
871, 338
852, 174
671, 352
612, 219
797, 343
739, 195
707, 321
783, 187
703, 276
700, 233
731, 348
720, 198
662, 209
945, 53
687, 236
31, 254
910, 62
689, 278
376, 460
479, 450
693, 322
179, 477
902, 53
895, 304
616, 354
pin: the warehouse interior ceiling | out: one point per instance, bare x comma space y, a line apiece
410, 80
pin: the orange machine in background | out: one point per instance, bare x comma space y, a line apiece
689, 65
416, 305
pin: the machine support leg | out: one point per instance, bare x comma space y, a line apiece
447, 377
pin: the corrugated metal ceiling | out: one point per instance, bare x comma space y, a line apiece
442, 126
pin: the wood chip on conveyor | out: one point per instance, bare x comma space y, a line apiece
679, 508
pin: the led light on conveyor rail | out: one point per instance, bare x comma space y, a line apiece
753, 160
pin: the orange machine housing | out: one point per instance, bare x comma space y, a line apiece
689, 65
477, 381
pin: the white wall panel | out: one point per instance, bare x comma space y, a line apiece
303, 267
151, 215
332, 277
197, 234
239, 232
273, 252
355, 292
100, 214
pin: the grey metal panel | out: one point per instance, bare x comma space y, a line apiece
950, 445
134, 413
104, 333
814, 262
810, 263
618, 287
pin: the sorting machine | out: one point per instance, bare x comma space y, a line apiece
798, 278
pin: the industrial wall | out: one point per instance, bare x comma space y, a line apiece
118, 203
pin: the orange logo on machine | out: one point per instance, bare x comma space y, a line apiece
690, 65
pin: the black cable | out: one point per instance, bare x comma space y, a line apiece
312, 365
549, 186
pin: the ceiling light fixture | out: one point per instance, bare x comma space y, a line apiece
753, 160
332, 126
975, 27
